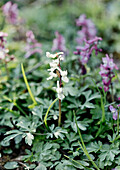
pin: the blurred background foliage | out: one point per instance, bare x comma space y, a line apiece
44, 17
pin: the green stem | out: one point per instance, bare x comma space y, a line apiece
116, 138
2, 24
103, 110
77, 162
7, 71
59, 120
45, 118
112, 95
118, 121
81, 146
15, 104
102, 103
117, 76
7, 109
85, 150
20, 108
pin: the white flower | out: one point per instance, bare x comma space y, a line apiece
53, 55
54, 63
61, 57
59, 91
50, 55
2, 55
52, 74
64, 76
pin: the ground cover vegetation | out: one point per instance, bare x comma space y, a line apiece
59, 84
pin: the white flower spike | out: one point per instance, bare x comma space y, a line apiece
55, 65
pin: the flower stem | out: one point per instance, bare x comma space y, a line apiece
59, 120
19, 108
103, 109
102, 101
45, 118
79, 163
7, 71
112, 95
28, 88
118, 122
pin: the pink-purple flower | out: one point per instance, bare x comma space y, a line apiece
87, 31
10, 11
32, 45
86, 51
59, 43
106, 71
114, 111
87, 41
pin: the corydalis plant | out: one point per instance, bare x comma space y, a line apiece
86, 40
56, 71
85, 52
59, 43
4, 56
32, 45
106, 72
10, 11
88, 30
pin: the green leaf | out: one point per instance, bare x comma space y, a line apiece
88, 95
12, 131
11, 165
38, 111
68, 89
88, 105
7, 151
8, 138
28, 139
94, 147
41, 167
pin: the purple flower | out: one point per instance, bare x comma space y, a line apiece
86, 51
108, 62
32, 45
11, 12
114, 111
59, 43
86, 40
88, 30
106, 71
